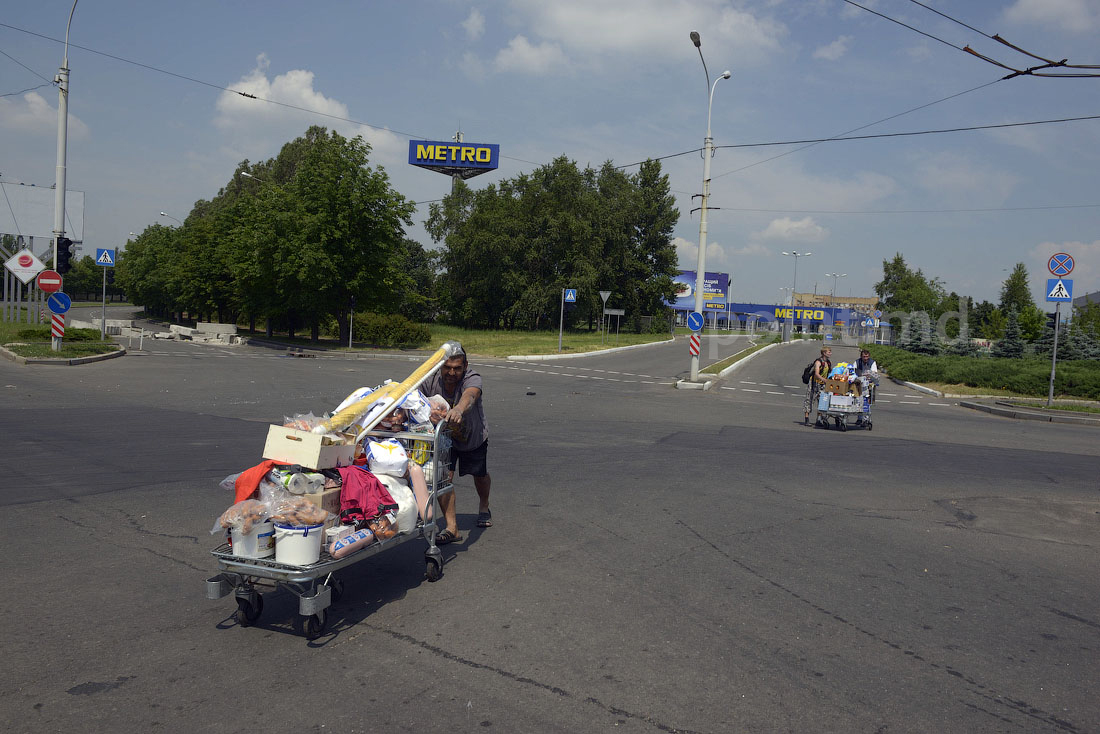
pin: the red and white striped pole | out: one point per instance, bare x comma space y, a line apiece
693, 345
58, 330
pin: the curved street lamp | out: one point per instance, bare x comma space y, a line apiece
166, 214
708, 151
832, 294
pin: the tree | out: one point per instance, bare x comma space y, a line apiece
1016, 293
1012, 345
904, 289
509, 250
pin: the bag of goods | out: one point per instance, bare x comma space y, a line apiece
293, 510
242, 517
405, 517
387, 457
383, 526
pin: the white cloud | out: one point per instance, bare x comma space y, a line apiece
687, 254
474, 25
834, 50
521, 56
792, 230
254, 128
952, 176
585, 34
33, 114
1074, 16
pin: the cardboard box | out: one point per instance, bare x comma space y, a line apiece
292, 446
328, 500
838, 387
841, 401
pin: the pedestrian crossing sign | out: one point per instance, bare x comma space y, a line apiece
1059, 290
105, 257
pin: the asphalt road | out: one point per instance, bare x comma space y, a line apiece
662, 560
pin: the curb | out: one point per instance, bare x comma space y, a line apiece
539, 357
13, 357
689, 385
918, 388
737, 365
1025, 415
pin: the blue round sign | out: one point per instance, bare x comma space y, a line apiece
695, 321
59, 302
1060, 264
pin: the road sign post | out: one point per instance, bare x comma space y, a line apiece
1059, 291
567, 295
105, 258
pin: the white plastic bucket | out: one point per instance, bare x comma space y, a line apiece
298, 545
257, 543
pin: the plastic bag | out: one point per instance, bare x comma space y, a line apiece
405, 517
242, 517
387, 457
303, 422
290, 509
230, 482
418, 407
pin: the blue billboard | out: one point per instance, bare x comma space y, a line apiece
464, 160
715, 287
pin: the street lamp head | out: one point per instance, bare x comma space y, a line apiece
726, 74
695, 39
246, 174
164, 214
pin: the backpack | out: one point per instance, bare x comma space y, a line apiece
808, 373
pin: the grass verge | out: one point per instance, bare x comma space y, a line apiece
717, 367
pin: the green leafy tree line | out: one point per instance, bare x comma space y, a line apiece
292, 243
509, 249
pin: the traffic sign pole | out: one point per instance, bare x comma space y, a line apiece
561, 319
1054, 353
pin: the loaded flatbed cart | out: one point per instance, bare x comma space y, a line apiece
315, 584
839, 401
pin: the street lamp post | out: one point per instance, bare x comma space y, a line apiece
832, 294
794, 281
62, 80
166, 214
708, 151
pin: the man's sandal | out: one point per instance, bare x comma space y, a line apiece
485, 519
447, 537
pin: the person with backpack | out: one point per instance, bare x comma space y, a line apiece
814, 376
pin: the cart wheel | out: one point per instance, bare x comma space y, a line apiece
433, 570
868, 424
841, 424
313, 625
337, 586
247, 612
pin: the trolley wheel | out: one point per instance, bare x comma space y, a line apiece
312, 626
841, 424
247, 612
337, 586
868, 424
433, 569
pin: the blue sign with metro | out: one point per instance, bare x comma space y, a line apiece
570, 295
464, 160
59, 303
695, 321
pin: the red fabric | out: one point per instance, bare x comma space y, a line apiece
249, 480
363, 490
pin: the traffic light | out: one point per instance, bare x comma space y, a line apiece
64, 255
1050, 319
110, 276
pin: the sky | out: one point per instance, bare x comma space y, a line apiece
156, 123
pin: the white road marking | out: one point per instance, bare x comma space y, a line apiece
909, 402
746, 382
769, 384
773, 392
728, 388
795, 387
943, 404
747, 389
891, 394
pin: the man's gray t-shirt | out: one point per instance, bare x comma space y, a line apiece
474, 430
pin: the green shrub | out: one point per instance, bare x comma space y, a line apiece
389, 330
1027, 376
43, 334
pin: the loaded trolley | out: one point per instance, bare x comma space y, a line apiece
315, 583
840, 400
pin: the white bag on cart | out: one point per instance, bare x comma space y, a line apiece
406, 501
387, 457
